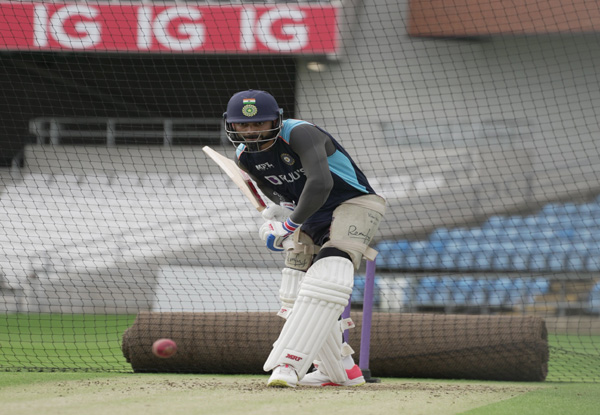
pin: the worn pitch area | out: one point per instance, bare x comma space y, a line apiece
175, 394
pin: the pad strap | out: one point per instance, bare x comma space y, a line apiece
372, 202
346, 324
367, 251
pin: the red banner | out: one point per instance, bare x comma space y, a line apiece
251, 29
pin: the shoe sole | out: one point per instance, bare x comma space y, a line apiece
337, 384
316, 385
280, 384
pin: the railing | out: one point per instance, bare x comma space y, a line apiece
127, 131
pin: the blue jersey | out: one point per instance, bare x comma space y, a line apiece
281, 169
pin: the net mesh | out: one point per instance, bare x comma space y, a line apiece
476, 120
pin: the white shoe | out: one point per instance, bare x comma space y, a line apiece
283, 376
318, 378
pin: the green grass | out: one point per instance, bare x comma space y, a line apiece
574, 358
63, 341
92, 342
557, 399
69, 364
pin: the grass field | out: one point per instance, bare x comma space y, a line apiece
94, 378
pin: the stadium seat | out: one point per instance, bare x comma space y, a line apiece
592, 263
538, 261
430, 260
358, 290
520, 261
426, 288
576, 261
441, 296
534, 287
518, 292
556, 261
394, 294
385, 250
440, 234
396, 260
482, 261
560, 237
499, 292
462, 290
594, 299
501, 262
465, 261
479, 293
447, 261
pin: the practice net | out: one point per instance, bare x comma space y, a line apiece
478, 121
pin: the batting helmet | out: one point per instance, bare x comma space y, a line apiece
252, 106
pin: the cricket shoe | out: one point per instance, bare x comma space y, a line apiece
283, 376
318, 378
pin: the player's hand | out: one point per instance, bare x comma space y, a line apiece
274, 233
279, 212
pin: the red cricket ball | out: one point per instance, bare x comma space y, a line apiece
164, 348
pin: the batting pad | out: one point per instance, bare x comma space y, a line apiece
330, 356
324, 293
482, 347
288, 290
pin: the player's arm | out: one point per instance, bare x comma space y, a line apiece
313, 146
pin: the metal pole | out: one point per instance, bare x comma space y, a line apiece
365, 335
346, 314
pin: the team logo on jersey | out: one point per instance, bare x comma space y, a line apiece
249, 110
287, 159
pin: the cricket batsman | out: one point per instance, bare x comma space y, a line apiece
323, 203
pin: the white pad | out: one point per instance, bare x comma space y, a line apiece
324, 293
336, 365
288, 291
331, 354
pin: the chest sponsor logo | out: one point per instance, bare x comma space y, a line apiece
280, 179
264, 166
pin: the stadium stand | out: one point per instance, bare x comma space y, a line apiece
65, 231
63, 220
551, 253
595, 299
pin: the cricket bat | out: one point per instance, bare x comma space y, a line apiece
239, 177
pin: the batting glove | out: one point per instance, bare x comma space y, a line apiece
274, 233
279, 212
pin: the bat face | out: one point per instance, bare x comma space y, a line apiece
239, 177
253, 189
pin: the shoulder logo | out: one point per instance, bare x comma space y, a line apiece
287, 159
